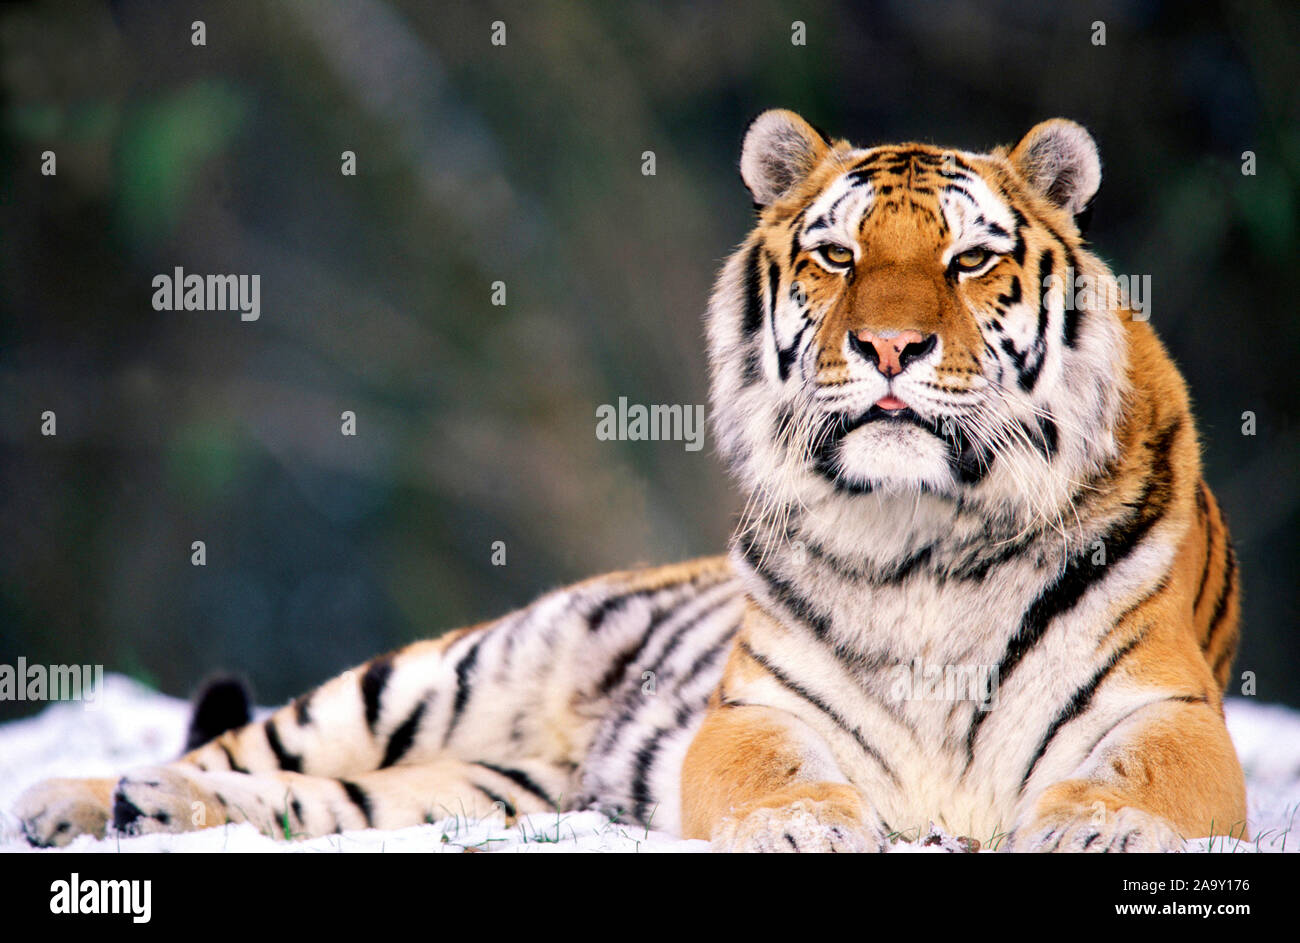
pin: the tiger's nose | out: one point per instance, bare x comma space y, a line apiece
891, 351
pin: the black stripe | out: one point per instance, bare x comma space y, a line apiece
1078, 703
794, 687
1203, 505
785, 356
839, 566
783, 591
1035, 356
907, 566
1030, 363
833, 212
1218, 620
1184, 698
899, 157
752, 321
359, 798
632, 698
506, 804
403, 737
464, 687
1225, 594
857, 660
753, 317
1072, 312
619, 600
826, 458
976, 567
302, 709
373, 682
640, 788
1134, 607
961, 191
659, 665
288, 761
969, 461
773, 285
1018, 253
619, 666
1045, 438
967, 173
522, 780
1081, 573
857, 178
1012, 295
705, 660
794, 235
610, 604
1225, 656
230, 758
1050, 436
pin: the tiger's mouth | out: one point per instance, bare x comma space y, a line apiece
883, 410
967, 460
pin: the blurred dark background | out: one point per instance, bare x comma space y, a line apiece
522, 163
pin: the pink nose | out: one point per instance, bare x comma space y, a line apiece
892, 354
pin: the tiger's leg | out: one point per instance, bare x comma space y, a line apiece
1164, 771
530, 686
758, 779
759, 776
286, 805
365, 719
54, 812
1167, 775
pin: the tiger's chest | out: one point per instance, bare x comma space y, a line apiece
895, 674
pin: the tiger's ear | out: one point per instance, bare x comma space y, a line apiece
780, 150
1058, 158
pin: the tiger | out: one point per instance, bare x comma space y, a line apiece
949, 464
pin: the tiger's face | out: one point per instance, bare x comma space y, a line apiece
899, 323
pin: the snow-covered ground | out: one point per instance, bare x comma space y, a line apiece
134, 726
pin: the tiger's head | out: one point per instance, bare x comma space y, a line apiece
899, 324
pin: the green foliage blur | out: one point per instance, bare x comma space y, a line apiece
522, 164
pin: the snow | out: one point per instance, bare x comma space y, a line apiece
134, 726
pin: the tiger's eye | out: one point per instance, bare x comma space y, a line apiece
837, 255
973, 258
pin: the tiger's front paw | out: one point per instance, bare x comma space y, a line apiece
158, 799
804, 825
1124, 830
54, 812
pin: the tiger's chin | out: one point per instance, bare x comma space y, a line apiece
889, 455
